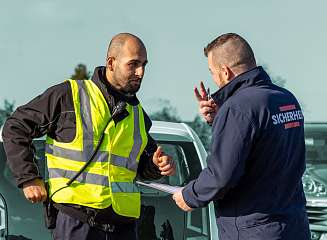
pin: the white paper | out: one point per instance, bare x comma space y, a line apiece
162, 187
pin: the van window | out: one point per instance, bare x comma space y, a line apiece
316, 147
178, 155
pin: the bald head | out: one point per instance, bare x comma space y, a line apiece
119, 41
125, 63
233, 51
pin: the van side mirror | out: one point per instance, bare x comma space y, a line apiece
3, 219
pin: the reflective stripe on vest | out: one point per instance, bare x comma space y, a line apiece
87, 124
95, 179
101, 156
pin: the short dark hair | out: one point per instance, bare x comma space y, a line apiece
246, 55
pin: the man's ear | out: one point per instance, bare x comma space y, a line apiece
227, 72
224, 71
111, 63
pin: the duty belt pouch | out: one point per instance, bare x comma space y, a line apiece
50, 213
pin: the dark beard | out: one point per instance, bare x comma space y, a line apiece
132, 87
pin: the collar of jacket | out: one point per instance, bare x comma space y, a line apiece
111, 95
255, 76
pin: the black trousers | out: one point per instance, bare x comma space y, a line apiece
68, 228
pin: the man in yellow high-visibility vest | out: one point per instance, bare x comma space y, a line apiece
99, 119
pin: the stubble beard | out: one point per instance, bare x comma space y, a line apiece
133, 87
128, 85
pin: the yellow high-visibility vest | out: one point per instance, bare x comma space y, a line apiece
109, 179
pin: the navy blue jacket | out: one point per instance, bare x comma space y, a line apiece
256, 163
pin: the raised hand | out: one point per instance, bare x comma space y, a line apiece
207, 106
164, 162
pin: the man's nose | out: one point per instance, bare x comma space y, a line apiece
139, 71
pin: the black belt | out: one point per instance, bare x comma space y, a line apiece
88, 216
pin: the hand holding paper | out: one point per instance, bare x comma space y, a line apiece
179, 200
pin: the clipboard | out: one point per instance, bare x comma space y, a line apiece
161, 187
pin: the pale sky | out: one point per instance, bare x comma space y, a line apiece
41, 41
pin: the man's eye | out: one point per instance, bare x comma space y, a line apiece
132, 64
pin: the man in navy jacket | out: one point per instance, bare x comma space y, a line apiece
257, 153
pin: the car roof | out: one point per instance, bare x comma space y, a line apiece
169, 131
164, 131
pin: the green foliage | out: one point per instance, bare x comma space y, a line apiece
81, 72
6, 111
168, 113
202, 129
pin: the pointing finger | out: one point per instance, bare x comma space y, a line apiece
197, 94
203, 90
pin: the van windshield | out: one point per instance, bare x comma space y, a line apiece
316, 146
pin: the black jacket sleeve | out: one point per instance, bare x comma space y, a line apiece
232, 137
52, 113
33, 120
147, 169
